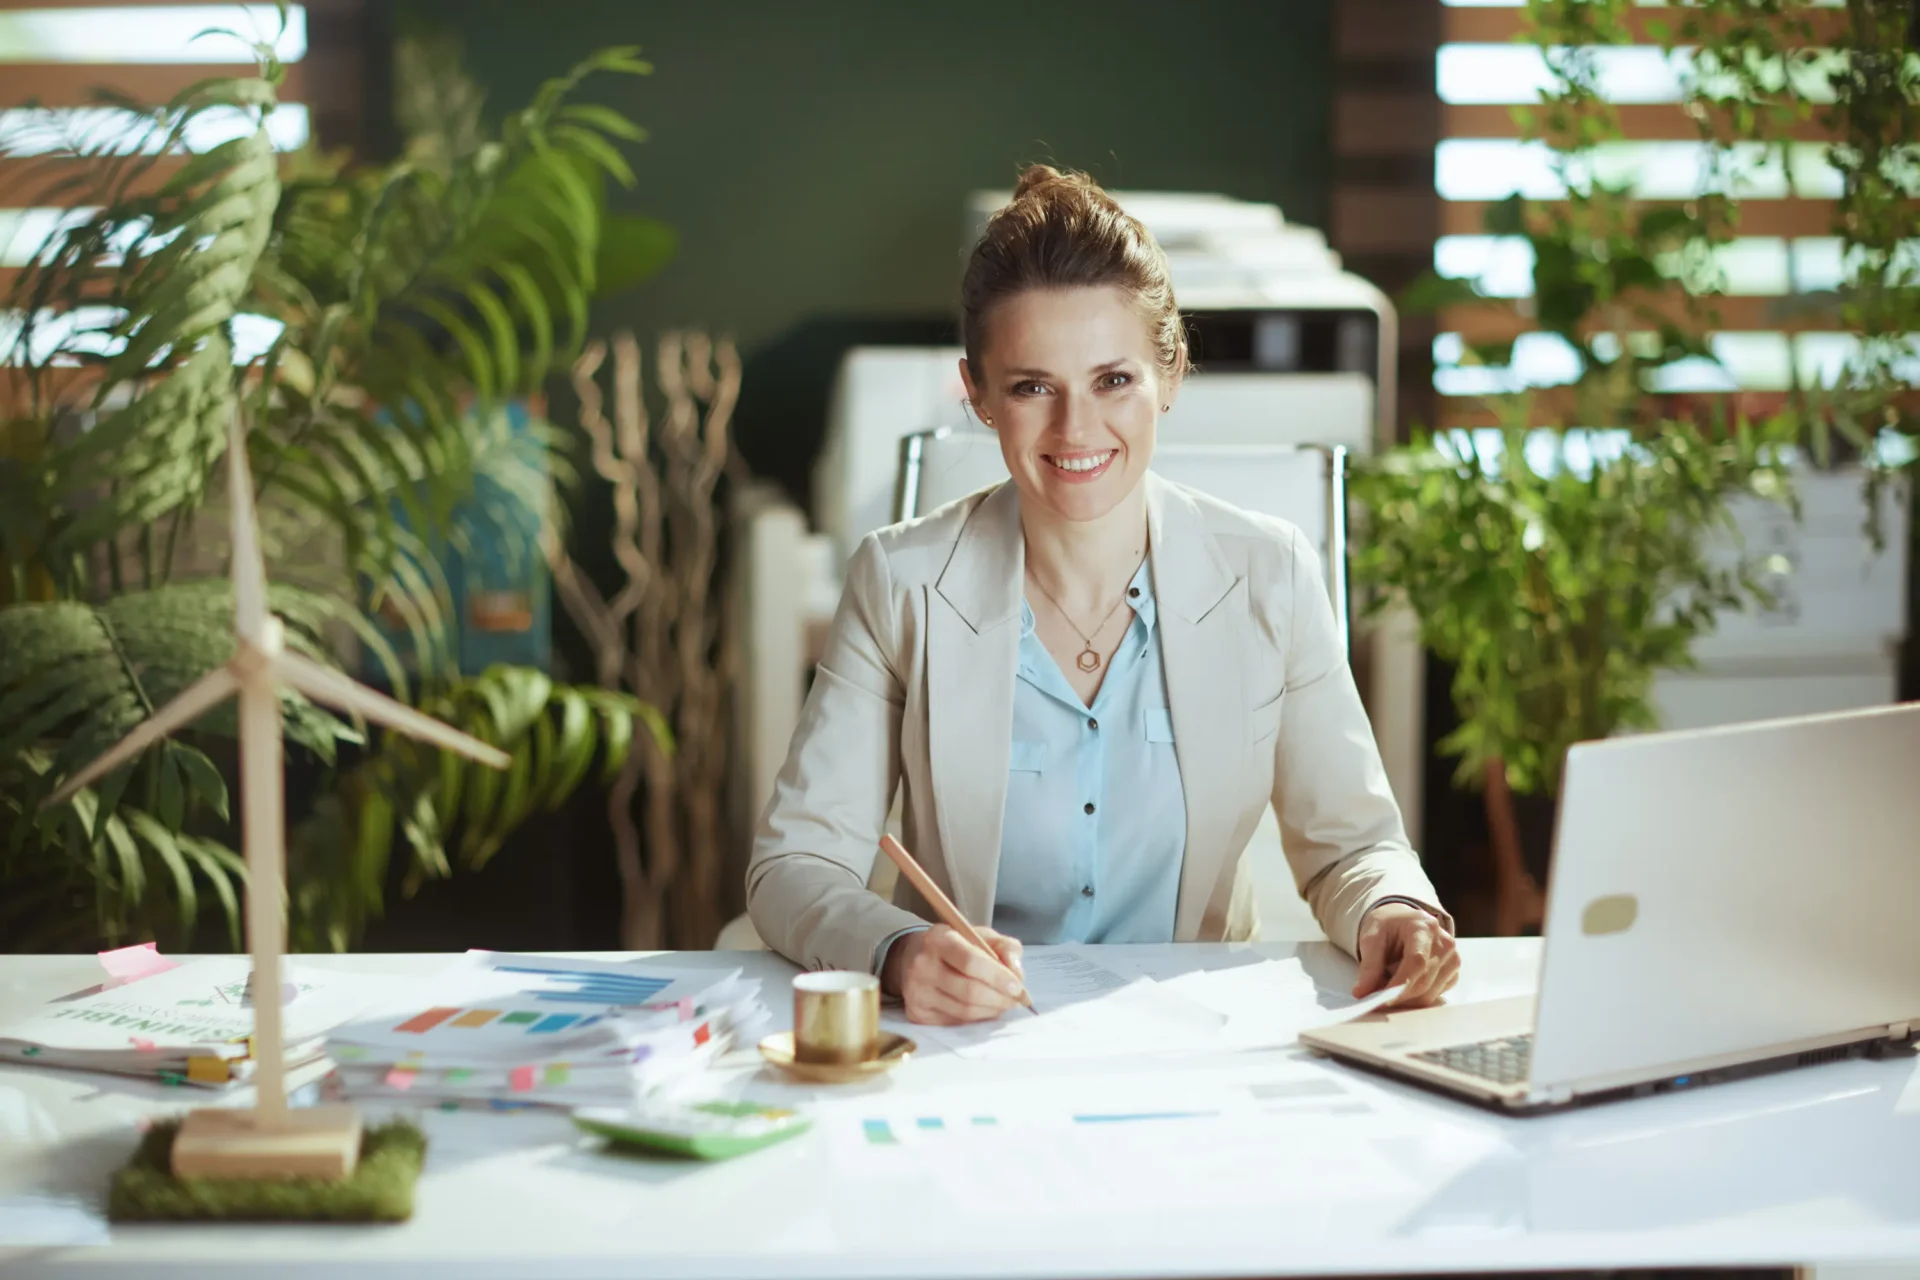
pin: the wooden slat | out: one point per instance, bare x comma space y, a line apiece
1757, 217
74, 84
69, 386
1370, 219
1369, 122
9, 279
1737, 314
26, 181
1385, 30
1639, 122
1555, 405
1472, 25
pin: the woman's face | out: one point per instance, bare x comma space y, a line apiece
1068, 380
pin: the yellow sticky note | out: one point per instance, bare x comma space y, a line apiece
208, 1070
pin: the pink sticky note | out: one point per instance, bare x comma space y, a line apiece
401, 1078
130, 964
143, 1045
520, 1079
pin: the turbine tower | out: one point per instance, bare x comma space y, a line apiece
271, 1139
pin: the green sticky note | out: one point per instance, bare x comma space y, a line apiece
517, 1018
557, 1073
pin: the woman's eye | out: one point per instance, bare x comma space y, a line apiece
1113, 380
1029, 388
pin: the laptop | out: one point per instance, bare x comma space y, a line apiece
1722, 902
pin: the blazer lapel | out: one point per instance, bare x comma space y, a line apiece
1201, 603
973, 641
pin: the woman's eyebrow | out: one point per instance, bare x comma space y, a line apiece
1119, 363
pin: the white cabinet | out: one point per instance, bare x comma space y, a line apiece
1831, 639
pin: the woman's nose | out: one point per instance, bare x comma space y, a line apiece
1076, 421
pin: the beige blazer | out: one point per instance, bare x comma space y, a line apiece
915, 693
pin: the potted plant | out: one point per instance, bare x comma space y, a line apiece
1556, 572
366, 323
1578, 539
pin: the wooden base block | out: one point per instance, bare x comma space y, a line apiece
308, 1142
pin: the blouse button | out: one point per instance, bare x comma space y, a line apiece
1092, 723
1133, 593
1086, 891
1089, 806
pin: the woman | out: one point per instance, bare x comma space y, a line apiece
1088, 683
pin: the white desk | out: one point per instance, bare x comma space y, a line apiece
1815, 1165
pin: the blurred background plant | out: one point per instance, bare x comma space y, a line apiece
1562, 557
370, 324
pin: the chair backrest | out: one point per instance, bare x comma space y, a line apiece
1305, 484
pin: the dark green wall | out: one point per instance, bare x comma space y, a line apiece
815, 154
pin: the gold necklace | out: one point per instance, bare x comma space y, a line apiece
1090, 658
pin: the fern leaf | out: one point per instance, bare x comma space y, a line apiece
220, 867
133, 876
107, 667
159, 837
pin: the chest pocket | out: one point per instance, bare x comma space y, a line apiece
1027, 757
1159, 724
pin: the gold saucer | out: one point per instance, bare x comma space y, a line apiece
894, 1050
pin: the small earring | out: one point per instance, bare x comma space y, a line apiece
1167, 408
984, 418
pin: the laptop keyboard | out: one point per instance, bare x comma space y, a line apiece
1503, 1061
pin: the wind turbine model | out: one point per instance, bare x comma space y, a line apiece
271, 1139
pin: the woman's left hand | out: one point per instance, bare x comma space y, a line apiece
1403, 944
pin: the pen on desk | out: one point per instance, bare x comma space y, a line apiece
943, 907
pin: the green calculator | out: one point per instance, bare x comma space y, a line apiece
705, 1130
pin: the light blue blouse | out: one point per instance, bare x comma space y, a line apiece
1096, 819
1095, 825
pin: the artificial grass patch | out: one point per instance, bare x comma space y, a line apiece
379, 1190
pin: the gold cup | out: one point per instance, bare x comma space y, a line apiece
836, 1017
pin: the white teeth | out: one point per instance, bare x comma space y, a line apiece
1086, 462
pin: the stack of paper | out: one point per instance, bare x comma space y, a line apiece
538, 1030
188, 1025
1090, 1009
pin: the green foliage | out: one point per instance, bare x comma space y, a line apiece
93, 672
411, 301
451, 812
1558, 586
169, 272
75, 879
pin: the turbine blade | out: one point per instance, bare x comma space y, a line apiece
249, 568
189, 705
324, 684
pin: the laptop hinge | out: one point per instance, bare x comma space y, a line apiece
1899, 1030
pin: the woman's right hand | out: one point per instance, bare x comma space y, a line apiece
944, 980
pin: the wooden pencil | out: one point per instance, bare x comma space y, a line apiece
943, 907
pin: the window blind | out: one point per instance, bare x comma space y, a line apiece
1786, 245
58, 56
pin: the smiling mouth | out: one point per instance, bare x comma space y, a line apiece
1080, 462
